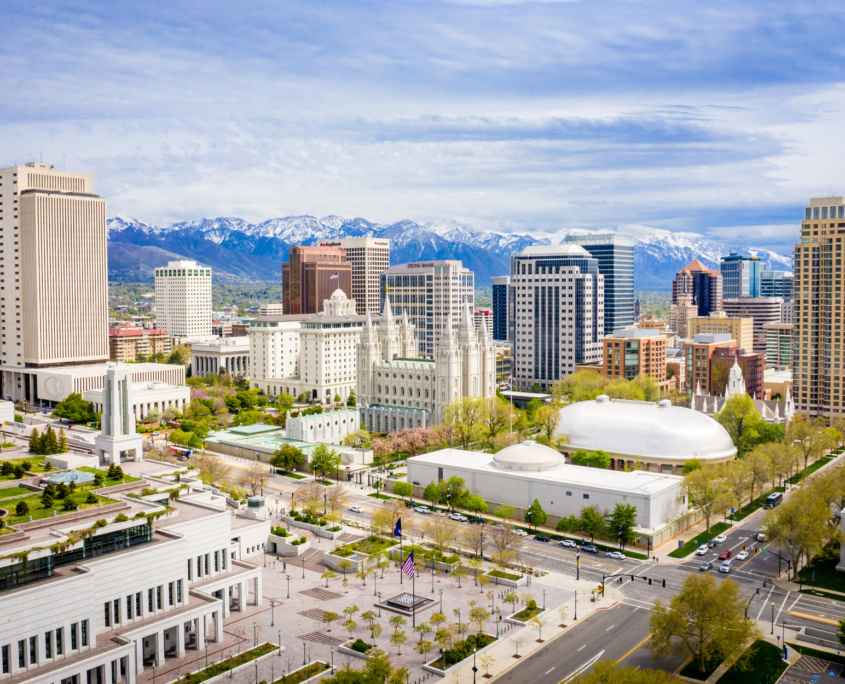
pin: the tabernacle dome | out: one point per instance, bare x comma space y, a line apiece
658, 435
528, 455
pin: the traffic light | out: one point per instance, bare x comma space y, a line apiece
756, 550
649, 581
664, 584
743, 547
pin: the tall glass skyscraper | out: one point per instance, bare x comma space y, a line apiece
501, 310
615, 255
740, 276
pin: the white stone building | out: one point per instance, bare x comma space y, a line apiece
523, 472
397, 389
331, 426
148, 396
183, 300
229, 353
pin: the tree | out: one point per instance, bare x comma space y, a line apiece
62, 442
609, 672
75, 409
738, 480
504, 512
22, 508
479, 617
517, 641
465, 415
180, 356
496, 415
441, 530
287, 457
329, 617
648, 385
811, 436
536, 515
705, 620
800, 522
538, 623
593, 522
504, 542
705, 489
759, 468
459, 573
691, 464
324, 459
475, 503
621, 523
403, 489
397, 639
841, 632
211, 469
784, 456
35, 442
593, 459
451, 490
545, 419
432, 493
740, 419
473, 537
254, 477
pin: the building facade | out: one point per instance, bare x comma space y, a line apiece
698, 356
615, 256
331, 426
432, 294
397, 389
818, 311
741, 330
128, 344
740, 276
761, 310
777, 284
370, 257
752, 364
779, 344
271, 309
703, 284
484, 319
183, 299
502, 317
629, 352
147, 397
558, 313
311, 275
680, 315
229, 354
54, 302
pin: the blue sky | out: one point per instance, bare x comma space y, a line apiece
714, 118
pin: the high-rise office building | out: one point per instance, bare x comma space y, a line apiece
183, 300
629, 352
778, 344
311, 276
429, 292
558, 313
740, 276
370, 257
53, 303
483, 319
502, 315
776, 284
818, 311
615, 254
699, 353
761, 309
680, 315
740, 329
703, 284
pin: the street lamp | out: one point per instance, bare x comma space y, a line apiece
432, 579
375, 587
576, 604
273, 605
441, 600
288, 579
303, 567
280, 642
332, 660
254, 634
474, 668
544, 599
379, 604
773, 617
303, 652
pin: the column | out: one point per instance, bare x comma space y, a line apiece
242, 596
159, 648
226, 602
180, 640
200, 632
218, 627
257, 589
139, 656
109, 672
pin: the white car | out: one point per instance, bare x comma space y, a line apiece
618, 555
497, 527
422, 509
702, 550
356, 509
721, 538
457, 517
742, 555
568, 542
520, 533
725, 567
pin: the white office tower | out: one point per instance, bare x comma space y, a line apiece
558, 313
397, 389
53, 303
370, 257
183, 300
118, 440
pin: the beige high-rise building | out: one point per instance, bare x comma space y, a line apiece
761, 310
818, 312
370, 257
741, 330
680, 314
183, 300
53, 273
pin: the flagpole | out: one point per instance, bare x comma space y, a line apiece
401, 554
414, 594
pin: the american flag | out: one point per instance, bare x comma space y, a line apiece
408, 566
334, 277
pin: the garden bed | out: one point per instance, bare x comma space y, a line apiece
38, 512
107, 482
368, 546
429, 557
506, 579
813, 467
524, 615
698, 540
222, 668
357, 648
292, 476
460, 652
304, 673
766, 659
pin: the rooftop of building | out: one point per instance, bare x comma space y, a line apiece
602, 239
135, 332
638, 333
712, 338
695, 266
566, 249
420, 265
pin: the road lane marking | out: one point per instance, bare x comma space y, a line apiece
582, 648
633, 649
549, 671
781, 606
609, 628
765, 601
592, 661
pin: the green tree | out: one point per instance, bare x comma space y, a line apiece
432, 493
705, 620
324, 459
248, 417
609, 672
451, 490
621, 523
536, 515
181, 355
22, 508
593, 459
62, 441
841, 633
49, 442
466, 417
740, 419
504, 512
593, 522
403, 489
545, 420
75, 409
35, 442
811, 436
705, 489
475, 503
287, 457
691, 464
648, 385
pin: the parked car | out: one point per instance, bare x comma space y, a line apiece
356, 509
520, 533
497, 527
742, 555
618, 555
705, 566
711, 544
409, 504
761, 536
725, 567
589, 548
702, 550
423, 509
567, 542
725, 555
720, 539
456, 516
541, 538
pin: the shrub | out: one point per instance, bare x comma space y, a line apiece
122, 517
70, 505
92, 499
22, 508
279, 531
360, 646
102, 522
463, 649
532, 605
19, 472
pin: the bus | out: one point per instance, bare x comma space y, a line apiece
773, 499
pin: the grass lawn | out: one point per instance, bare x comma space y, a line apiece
826, 575
223, 666
303, 673
384, 496
293, 476
462, 650
755, 505
526, 614
503, 575
32, 460
370, 545
38, 512
816, 653
766, 664
13, 491
104, 473
700, 539
795, 479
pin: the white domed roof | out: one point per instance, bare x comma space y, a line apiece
528, 456
338, 294
644, 430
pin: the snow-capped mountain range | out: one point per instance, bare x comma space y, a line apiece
254, 251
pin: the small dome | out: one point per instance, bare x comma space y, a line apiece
338, 294
528, 456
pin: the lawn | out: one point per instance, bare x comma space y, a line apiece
526, 614
32, 460
13, 491
766, 665
293, 476
370, 545
38, 512
104, 473
755, 505
303, 673
700, 539
826, 575
813, 467
422, 553
223, 666
816, 653
503, 575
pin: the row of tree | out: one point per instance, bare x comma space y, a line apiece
48, 443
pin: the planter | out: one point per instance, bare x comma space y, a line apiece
510, 618
428, 667
346, 648
397, 554
219, 677
506, 582
357, 561
316, 529
292, 676
285, 547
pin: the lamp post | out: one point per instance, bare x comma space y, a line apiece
544, 599
379, 604
303, 652
576, 604
441, 600
230, 664
332, 672
375, 586
288, 579
303, 567
474, 668
578, 564
273, 605
254, 634
206, 654
432, 579
492, 602
280, 642
325, 503
773, 617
